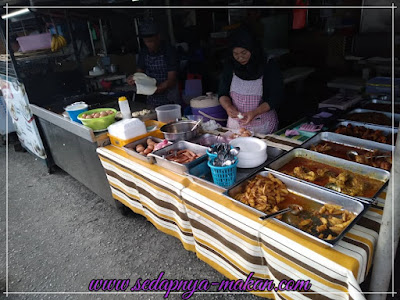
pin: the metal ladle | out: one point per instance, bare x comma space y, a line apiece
294, 209
351, 154
234, 151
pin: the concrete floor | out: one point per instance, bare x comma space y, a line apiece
61, 236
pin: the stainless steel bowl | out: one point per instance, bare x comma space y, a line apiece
180, 130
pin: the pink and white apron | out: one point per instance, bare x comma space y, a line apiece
246, 96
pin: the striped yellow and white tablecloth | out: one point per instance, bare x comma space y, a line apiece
233, 240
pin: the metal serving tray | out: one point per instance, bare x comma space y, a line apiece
159, 156
387, 114
209, 139
386, 130
377, 101
346, 141
201, 174
129, 148
368, 171
311, 193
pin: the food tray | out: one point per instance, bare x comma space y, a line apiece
133, 145
387, 114
347, 141
377, 101
311, 193
386, 130
368, 171
209, 139
159, 156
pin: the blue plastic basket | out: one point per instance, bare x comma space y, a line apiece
223, 176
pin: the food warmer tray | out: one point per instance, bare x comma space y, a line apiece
377, 101
385, 129
365, 170
160, 159
312, 193
387, 114
347, 141
129, 148
209, 139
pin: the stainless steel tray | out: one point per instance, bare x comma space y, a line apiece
129, 148
387, 114
159, 156
386, 130
357, 168
201, 174
346, 141
311, 193
209, 139
377, 101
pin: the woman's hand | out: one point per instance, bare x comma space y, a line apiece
130, 80
248, 117
232, 111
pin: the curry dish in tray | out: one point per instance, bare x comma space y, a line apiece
331, 177
366, 157
269, 194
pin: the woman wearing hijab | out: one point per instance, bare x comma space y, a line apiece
250, 88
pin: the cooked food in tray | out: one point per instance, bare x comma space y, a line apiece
235, 133
181, 156
383, 107
269, 194
331, 177
370, 117
365, 133
378, 159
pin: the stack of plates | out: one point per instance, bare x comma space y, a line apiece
253, 151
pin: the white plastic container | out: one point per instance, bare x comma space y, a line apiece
124, 108
127, 129
168, 113
253, 151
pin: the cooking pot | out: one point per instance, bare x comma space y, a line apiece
180, 130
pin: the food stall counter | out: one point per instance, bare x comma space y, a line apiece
232, 239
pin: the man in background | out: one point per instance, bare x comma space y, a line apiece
158, 60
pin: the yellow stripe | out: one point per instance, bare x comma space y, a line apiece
376, 210
364, 241
188, 230
222, 225
142, 179
189, 247
307, 274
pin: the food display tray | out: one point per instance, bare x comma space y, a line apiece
310, 193
385, 129
387, 114
377, 101
129, 148
160, 159
347, 141
209, 139
368, 171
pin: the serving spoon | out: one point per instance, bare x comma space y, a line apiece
294, 209
351, 154
195, 126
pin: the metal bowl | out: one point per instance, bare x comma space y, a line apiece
180, 130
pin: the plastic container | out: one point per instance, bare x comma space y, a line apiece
75, 109
124, 108
35, 42
223, 176
101, 123
168, 113
127, 129
209, 108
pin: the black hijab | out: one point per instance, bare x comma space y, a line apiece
255, 66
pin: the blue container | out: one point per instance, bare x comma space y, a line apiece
223, 176
212, 155
382, 85
75, 109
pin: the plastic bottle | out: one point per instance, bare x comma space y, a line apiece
124, 108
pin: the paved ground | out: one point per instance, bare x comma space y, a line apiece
62, 235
